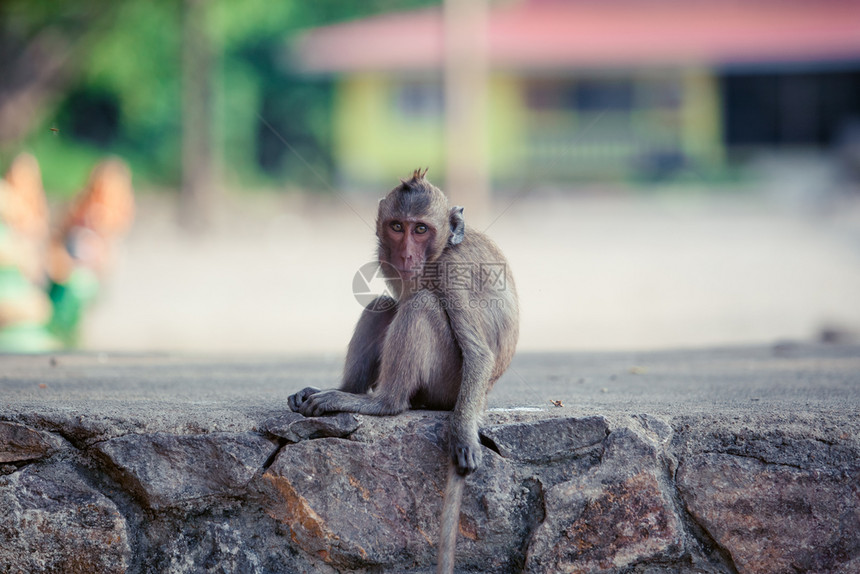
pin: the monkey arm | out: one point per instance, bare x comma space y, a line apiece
361, 368
408, 356
478, 361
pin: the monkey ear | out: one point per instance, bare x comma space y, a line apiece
458, 225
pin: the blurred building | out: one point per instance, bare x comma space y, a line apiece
583, 89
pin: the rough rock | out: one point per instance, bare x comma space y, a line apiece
239, 539
776, 499
51, 520
214, 547
362, 504
19, 443
715, 462
546, 440
773, 518
168, 470
294, 427
348, 493
612, 517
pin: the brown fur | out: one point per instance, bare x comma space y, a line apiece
449, 337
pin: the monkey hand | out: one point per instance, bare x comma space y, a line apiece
317, 403
466, 455
300, 398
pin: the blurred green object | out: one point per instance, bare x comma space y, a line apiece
26, 338
13, 285
21, 331
70, 299
119, 87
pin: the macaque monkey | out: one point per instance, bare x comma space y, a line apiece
444, 340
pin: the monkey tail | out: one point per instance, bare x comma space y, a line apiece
450, 521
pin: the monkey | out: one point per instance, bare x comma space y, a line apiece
441, 341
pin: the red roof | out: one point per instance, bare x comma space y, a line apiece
584, 33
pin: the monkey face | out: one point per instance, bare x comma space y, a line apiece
412, 225
409, 241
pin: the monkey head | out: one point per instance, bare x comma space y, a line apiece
415, 225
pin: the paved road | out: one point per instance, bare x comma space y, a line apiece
149, 393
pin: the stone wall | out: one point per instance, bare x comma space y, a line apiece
557, 493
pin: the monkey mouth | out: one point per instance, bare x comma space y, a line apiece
407, 270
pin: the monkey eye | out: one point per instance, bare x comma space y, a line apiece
420, 228
396, 226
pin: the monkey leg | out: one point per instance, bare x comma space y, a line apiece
420, 364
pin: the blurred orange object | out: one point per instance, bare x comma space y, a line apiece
98, 216
24, 307
24, 210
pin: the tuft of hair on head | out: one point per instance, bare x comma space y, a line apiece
417, 177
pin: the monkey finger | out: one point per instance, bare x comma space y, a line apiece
317, 404
298, 399
466, 458
310, 409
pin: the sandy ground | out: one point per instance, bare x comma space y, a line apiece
594, 270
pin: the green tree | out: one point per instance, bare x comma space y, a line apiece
108, 76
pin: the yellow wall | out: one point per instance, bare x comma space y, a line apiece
376, 142
702, 132
507, 123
